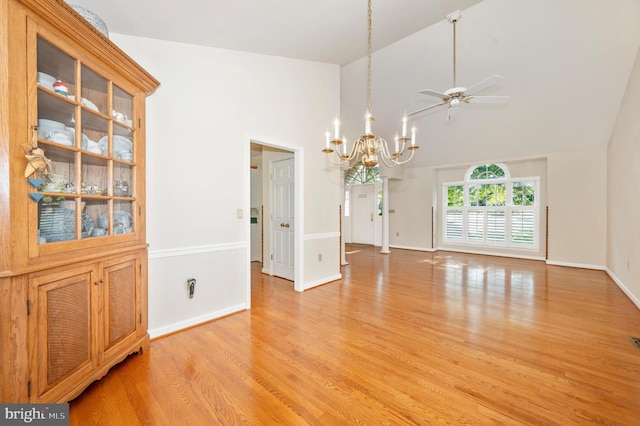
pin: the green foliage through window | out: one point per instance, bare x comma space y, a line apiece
455, 195
360, 174
487, 171
487, 195
523, 193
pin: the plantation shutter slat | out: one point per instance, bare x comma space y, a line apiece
453, 224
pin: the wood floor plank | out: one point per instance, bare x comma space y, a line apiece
409, 338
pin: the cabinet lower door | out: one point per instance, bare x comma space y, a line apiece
120, 296
60, 323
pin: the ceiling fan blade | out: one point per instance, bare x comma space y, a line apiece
434, 93
426, 108
487, 82
487, 99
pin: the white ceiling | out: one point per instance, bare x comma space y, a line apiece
566, 63
332, 31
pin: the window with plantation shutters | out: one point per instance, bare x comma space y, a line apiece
491, 208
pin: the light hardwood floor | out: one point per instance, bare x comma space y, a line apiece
406, 338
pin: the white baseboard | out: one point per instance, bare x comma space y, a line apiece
431, 250
488, 253
623, 287
326, 280
181, 325
577, 265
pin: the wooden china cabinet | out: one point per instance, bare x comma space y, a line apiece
73, 251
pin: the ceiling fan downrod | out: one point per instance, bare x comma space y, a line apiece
453, 18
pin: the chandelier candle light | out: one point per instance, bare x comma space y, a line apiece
369, 147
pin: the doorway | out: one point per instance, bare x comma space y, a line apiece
261, 155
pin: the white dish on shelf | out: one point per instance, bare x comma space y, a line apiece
50, 126
86, 102
89, 104
125, 155
93, 147
85, 138
46, 80
120, 143
61, 137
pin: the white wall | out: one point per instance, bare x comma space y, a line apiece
209, 106
623, 192
410, 205
577, 197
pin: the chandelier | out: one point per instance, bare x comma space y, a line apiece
369, 147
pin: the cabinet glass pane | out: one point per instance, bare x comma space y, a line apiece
122, 180
53, 66
94, 133
94, 91
122, 107
96, 212
56, 218
55, 119
123, 217
122, 147
63, 169
95, 175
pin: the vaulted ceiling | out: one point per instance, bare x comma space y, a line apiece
566, 63
332, 31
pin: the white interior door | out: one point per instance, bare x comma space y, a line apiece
363, 214
283, 224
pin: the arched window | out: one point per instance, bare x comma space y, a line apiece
360, 174
491, 208
486, 171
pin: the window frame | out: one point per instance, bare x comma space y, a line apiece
507, 211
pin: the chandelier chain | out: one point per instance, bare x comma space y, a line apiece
369, 61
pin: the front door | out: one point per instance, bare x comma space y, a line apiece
363, 213
283, 225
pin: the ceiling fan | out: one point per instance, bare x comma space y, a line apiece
458, 94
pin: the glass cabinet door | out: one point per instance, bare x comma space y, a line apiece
85, 127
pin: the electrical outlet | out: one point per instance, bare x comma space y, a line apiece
191, 282
319, 257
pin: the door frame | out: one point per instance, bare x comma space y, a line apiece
298, 160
